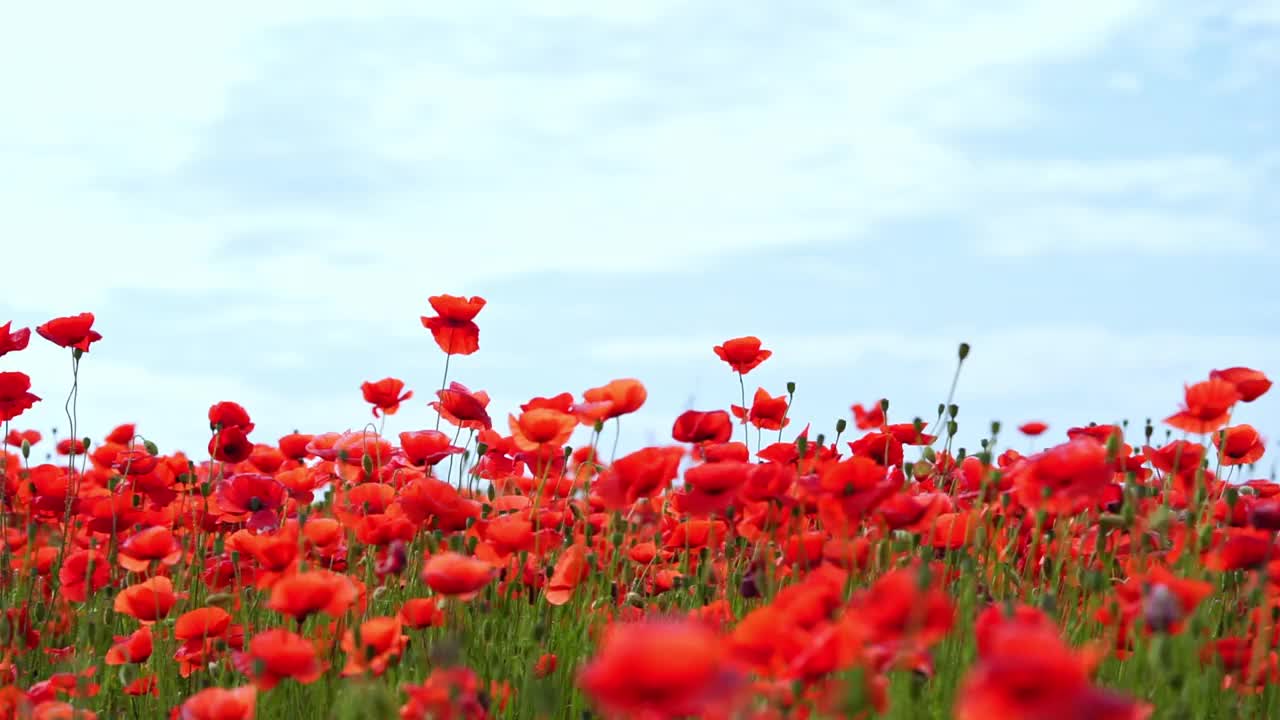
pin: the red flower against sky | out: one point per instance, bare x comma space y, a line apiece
743, 354
1207, 406
1033, 428
1251, 384
453, 326
767, 412
624, 397
13, 341
15, 395
75, 331
1239, 445
462, 408
385, 395
693, 426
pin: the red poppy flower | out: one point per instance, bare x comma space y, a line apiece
1033, 428
378, 644
147, 601
385, 395
217, 703
743, 354
15, 395
130, 649
1207, 406
1239, 445
1028, 673
146, 546
420, 613
767, 412
693, 426
1066, 478
278, 654
294, 445
1250, 383
462, 408
71, 332
426, 447
625, 397
16, 438
202, 624
868, 419
570, 570
13, 341
541, 428
452, 574
661, 668
641, 474
317, 591
229, 414
453, 326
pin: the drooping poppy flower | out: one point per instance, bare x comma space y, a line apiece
693, 426
625, 397
1239, 445
743, 354
1033, 428
278, 654
868, 418
304, 594
456, 575
13, 341
1251, 384
75, 331
462, 408
767, 412
147, 601
1207, 406
453, 327
426, 447
385, 395
661, 668
15, 395
217, 703
541, 428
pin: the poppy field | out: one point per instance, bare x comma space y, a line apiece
753, 566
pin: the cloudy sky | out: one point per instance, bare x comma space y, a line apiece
257, 199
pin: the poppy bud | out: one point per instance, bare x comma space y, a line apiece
791, 388
964, 351
26, 449
481, 449
884, 405
87, 443
151, 448
841, 425
953, 410
995, 428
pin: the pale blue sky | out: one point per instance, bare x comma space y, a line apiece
257, 203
